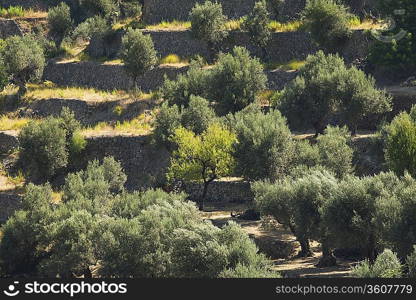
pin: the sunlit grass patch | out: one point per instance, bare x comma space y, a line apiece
12, 123
20, 12
170, 25
173, 59
234, 24
139, 125
291, 65
49, 90
285, 27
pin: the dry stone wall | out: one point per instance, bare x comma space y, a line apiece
9, 28
105, 76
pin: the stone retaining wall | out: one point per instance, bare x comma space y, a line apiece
105, 76
9, 28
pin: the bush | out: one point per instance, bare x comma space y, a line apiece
47, 146
265, 147
208, 24
328, 23
131, 9
138, 53
91, 8
335, 152
257, 24
21, 248
400, 144
198, 116
59, 21
92, 27
23, 60
353, 215
324, 87
387, 265
236, 80
168, 119
195, 81
43, 148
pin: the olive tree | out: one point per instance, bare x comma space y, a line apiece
236, 80
327, 20
297, 204
324, 87
257, 23
138, 53
208, 24
59, 22
265, 146
202, 158
23, 60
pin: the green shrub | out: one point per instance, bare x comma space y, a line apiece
23, 60
92, 27
327, 20
387, 265
91, 8
43, 148
138, 53
236, 80
195, 81
47, 146
59, 21
198, 115
168, 119
257, 24
324, 87
400, 144
131, 9
264, 148
208, 24
335, 152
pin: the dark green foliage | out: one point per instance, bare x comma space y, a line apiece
23, 60
327, 20
195, 81
257, 25
47, 146
236, 80
297, 204
59, 21
387, 265
138, 53
131, 8
20, 247
92, 27
167, 121
198, 115
324, 87
400, 144
411, 263
265, 146
104, 8
208, 24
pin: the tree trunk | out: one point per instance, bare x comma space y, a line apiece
327, 259
371, 249
305, 248
87, 273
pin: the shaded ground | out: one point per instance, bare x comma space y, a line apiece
275, 236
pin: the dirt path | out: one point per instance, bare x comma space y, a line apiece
277, 236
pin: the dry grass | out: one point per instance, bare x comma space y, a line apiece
172, 25
138, 126
12, 123
173, 59
291, 65
49, 90
285, 27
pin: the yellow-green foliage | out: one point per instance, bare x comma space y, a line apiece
173, 59
202, 158
12, 11
285, 27
7, 123
293, 64
175, 24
